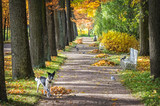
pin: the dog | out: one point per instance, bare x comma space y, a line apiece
46, 83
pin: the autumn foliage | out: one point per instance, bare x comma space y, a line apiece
119, 42
104, 63
59, 91
102, 55
95, 51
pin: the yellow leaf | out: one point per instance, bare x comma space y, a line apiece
114, 99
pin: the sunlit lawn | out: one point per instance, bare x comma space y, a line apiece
140, 81
23, 92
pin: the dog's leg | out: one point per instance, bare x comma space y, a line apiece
38, 84
48, 93
46, 89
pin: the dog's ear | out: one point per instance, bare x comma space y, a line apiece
53, 73
49, 73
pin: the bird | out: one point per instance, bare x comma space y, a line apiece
77, 49
123, 58
113, 78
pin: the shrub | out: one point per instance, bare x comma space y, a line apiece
119, 42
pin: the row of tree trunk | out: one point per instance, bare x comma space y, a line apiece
49, 30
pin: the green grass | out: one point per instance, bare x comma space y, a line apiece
68, 48
85, 35
114, 58
23, 92
142, 86
141, 83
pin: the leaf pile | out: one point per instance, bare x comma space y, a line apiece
102, 55
143, 63
78, 41
104, 63
58, 90
7, 63
95, 51
93, 45
16, 91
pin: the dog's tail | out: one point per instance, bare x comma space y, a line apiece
36, 79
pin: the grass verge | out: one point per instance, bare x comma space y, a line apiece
140, 82
71, 45
23, 92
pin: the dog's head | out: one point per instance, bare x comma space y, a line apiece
51, 75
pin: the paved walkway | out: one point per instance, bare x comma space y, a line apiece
7, 48
92, 85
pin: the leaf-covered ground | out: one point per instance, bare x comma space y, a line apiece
90, 85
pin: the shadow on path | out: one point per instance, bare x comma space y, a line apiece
92, 85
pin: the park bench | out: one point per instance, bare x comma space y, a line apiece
101, 46
131, 62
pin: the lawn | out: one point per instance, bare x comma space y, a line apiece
23, 92
140, 82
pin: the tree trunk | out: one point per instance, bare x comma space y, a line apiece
61, 18
36, 33
69, 21
3, 95
21, 62
66, 32
154, 35
57, 30
51, 31
47, 55
144, 31
74, 27
4, 30
7, 33
76, 30
88, 32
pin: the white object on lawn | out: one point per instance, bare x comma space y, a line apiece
131, 62
101, 46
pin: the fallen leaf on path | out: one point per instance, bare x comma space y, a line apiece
114, 99
114, 104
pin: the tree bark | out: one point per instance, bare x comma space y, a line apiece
61, 17
47, 55
144, 31
69, 21
36, 33
51, 31
57, 30
21, 61
154, 35
3, 95
4, 30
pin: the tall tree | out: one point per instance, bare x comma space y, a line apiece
21, 61
154, 35
70, 38
143, 28
3, 95
57, 29
51, 29
36, 33
47, 55
61, 17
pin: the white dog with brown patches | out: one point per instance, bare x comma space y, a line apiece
46, 82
